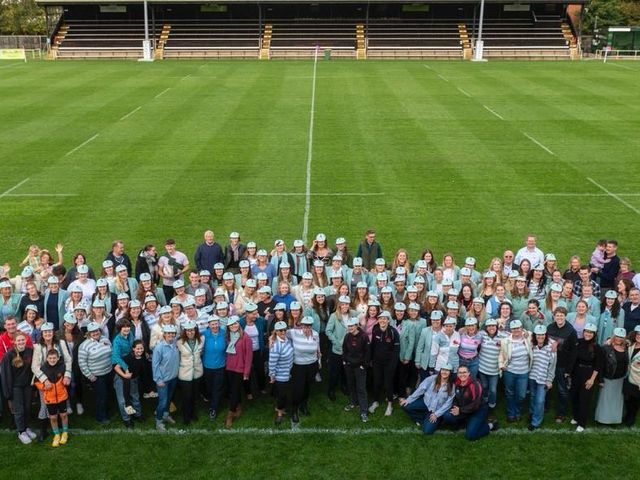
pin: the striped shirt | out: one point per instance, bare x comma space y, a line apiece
519, 362
281, 360
489, 352
305, 349
543, 366
94, 357
469, 346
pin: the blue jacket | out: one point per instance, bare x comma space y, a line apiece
260, 325
166, 362
437, 402
121, 346
215, 347
62, 297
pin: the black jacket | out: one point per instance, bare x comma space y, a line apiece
356, 351
125, 261
567, 340
142, 266
609, 272
385, 346
229, 262
468, 398
15, 377
631, 318
589, 356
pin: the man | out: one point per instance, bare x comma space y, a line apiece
9, 335
530, 252
369, 250
54, 298
147, 262
584, 274
195, 284
233, 253
468, 407
117, 255
208, 252
632, 310
566, 337
171, 267
611, 266
507, 262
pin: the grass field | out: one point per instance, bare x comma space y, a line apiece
452, 156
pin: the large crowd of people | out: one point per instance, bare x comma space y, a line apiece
443, 340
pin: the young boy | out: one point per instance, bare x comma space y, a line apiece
135, 364
55, 396
598, 258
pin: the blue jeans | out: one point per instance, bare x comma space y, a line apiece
473, 366
563, 392
537, 394
419, 413
515, 389
489, 388
477, 426
135, 397
164, 398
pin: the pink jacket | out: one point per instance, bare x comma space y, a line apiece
240, 361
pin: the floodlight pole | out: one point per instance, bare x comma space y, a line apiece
477, 54
146, 44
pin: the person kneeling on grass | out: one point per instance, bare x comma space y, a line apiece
468, 407
431, 400
55, 396
166, 363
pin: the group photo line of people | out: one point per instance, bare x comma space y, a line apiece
441, 340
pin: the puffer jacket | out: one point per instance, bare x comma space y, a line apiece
190, 360
55, 374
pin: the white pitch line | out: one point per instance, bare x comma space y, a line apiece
617, 197
442, 77
162, 93
538, 143
494, 112
289, 194
339, 431
307, 203
579, 194
622, 66
185, 77
81, 145
464, 92
42, 195
428, 67
130, 113
4, 194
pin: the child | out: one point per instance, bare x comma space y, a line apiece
598, 258
135, 364
33, 258
55, 396
16, 377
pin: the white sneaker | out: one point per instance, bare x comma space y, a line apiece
160, 426
24, 438
129, 409
574, 421
373, 407
32, 435
579, 429
389, 410
169, 419
318, 377
69, 410
79, 409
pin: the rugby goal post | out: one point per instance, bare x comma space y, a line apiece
13, 54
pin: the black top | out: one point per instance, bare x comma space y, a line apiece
589, 356
355, 349
385, 345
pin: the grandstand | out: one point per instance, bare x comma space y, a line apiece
440, 29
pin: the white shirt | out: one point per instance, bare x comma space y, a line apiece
535, 256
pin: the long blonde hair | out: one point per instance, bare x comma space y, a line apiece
18, 361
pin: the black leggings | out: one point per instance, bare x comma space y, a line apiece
383, 375
282, 392
189, 390
235, 389
302, 377
257, 374
580, 396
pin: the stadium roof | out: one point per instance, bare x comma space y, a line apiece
129, 2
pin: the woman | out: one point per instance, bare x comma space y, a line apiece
431, 400
486, 290
94, 361
631, 388
515, 363
319, 275
71, 335
519, 296
543, 370
470, 341
552, 301
428, 258
445, 346
284, 295
410, 331
127, 394
401, 259
254, 327
238, 366
356, 356
304, 290
488, 357
250, 254
342, 251
588, 365
571, 273
107, 297
306, 361
9, 301
284, 275
360, 301
425, 362
295, 315
108, 273
505, 316
319, 310
623, 288
386, 299
495, 266
611, 316
385, 351
78, 259
336, 331
15, 373
190, 347
466, 297
525, 267
31, 322
122, 307
280, 363
214, 361
166, 364
156, 333
319, 251
537, 283
48, 341
580, 317
478, 311
46, 262
147, 287
300, 259
370, 319
493, 304
616, 365
450, 271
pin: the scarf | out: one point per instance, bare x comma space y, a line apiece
234, 337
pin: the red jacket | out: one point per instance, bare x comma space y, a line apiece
468, 397
240, 361
6, 344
